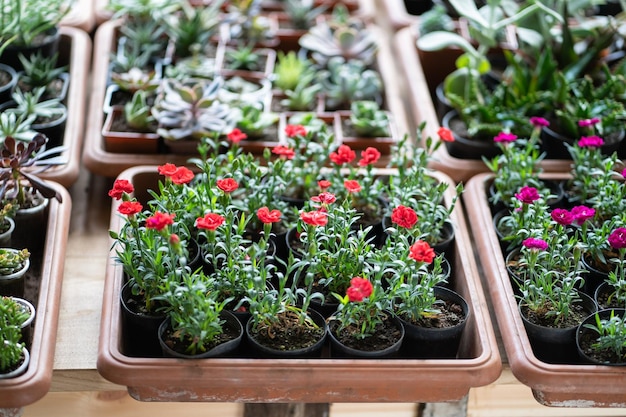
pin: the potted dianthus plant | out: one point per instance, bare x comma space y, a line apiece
558, 254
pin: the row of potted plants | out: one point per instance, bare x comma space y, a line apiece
274, 239
43, 73
338, 74
43, 77
323, 256
34, 227
514, 62
558, 243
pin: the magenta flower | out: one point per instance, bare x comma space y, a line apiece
588, 122
590, 142
624, 173
535, 244
617, 238
562, 216
539, 122
582, 213
527, 194
505, 137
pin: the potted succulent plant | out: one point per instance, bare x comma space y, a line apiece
14, 357
14, 264
41, 71
29, 26
186, 113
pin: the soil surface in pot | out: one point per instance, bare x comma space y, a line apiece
172, 339
588, 338
385, 334
288, 333
451, 315
577, 315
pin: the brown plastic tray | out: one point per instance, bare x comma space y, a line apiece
551, 384
43, 289
304, 380
75, 52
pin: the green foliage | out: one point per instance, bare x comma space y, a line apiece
194, 308
12, 316
611, 334
138, 114
290, 69
23, 21
346, 81
254, 120
191, 111
12, 260
368, 119
39, 70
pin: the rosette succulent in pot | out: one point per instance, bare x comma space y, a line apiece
20, 162
340, 35
192, 110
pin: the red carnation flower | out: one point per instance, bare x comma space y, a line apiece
404, 216
295, 130
324, 198
182, 175
284, 151
324, 184
352, 186
266, 216
445, 134
421, 251
360, 288
314, 218
167, 169
228, 185
159, 221
369, 156
236, 136
210, 221
128, 208
343, 155
119, 188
